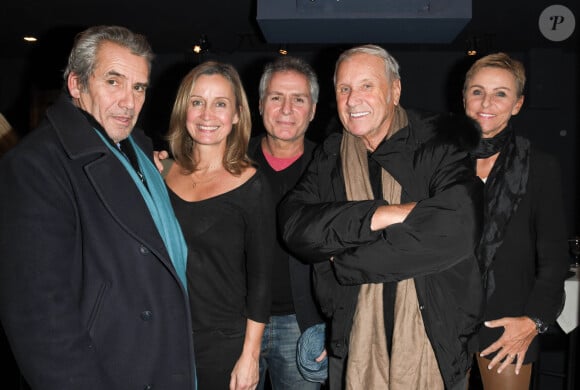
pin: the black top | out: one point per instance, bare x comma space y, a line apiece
531, 264
292, 291
230, 252
281, 182
389, 288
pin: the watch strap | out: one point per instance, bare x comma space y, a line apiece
541, 326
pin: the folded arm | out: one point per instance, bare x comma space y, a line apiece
371, 241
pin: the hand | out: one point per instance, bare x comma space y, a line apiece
158, 157
321, 357
513, 344
245, 374
385, 216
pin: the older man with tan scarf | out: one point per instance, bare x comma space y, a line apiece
389, 214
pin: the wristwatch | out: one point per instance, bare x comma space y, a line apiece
541, 327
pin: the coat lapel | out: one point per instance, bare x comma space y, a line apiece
121, 197
112, 183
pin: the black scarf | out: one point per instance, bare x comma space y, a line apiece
504, 188
487, 147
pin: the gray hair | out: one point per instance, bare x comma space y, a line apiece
83, 56
290, 64
391, 64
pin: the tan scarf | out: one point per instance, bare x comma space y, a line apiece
412, 364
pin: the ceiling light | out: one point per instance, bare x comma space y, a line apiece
30, 39
471, 46
202, 45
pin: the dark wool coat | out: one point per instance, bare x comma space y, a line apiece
434, 245
89, 298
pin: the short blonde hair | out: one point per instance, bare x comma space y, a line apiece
501, 61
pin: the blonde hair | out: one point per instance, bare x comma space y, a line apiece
180, 142
501, 61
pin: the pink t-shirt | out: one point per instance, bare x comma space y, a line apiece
277, 163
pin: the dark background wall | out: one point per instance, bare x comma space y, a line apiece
432, 80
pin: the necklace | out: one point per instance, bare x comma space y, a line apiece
195, 183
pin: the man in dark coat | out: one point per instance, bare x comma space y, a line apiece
92, 259
389, 213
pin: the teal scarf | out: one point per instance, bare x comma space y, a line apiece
159, 205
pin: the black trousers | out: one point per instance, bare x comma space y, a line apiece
216, 353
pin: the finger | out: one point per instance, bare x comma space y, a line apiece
157, 161
491, 349
496, 359
321, 357
519, 363
494, 323
506, 362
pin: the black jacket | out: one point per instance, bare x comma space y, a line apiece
530, 265
434, 245
89, 298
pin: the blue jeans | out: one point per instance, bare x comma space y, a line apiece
278, 355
